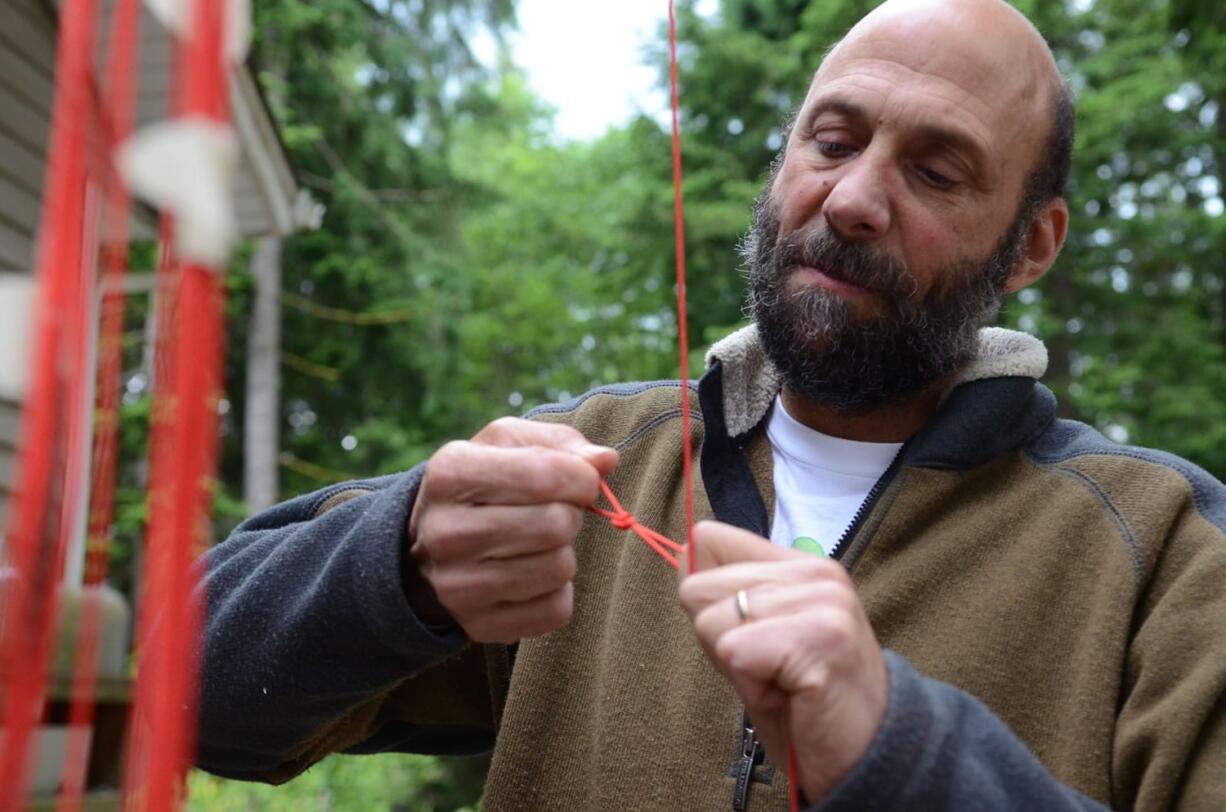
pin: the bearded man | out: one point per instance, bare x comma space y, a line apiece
930, 590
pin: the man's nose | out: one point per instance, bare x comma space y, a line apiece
858, 205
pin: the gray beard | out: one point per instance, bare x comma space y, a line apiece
859, 366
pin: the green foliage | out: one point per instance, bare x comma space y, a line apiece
1135, 311
368, 93
394, 783
562, 297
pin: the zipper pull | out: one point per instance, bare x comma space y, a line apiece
744, 769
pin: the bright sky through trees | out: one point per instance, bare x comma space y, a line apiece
585, 58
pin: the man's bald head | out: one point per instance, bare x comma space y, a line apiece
999, 33
996, 51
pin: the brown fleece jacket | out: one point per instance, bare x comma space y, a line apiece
1074, 586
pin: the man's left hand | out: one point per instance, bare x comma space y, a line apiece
804, 661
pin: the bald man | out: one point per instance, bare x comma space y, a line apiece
929, 590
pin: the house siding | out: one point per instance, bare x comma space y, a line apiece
27, 68
27, 65
10, 413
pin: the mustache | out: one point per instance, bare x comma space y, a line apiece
853, 262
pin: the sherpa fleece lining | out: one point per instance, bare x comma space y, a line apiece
751, 380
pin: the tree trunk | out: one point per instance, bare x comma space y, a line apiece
261, 431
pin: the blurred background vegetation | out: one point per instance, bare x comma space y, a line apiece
472, 263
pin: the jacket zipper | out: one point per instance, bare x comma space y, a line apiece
867, 505
744, 770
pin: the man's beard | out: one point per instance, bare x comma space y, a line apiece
850, 365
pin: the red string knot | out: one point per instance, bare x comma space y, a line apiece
623, 520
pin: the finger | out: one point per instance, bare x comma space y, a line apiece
514, 432
797, 651
450, 533
760, 674
720, 544
719, 584
768, 601
829, 666
757, 687
517, 621
507, 581
479, 474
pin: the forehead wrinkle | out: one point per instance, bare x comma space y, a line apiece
947, 88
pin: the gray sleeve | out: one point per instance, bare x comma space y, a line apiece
939, 748
307, 618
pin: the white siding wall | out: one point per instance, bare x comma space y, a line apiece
9, 413
27, 66
27, 59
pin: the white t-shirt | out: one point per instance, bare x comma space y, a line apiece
820, 481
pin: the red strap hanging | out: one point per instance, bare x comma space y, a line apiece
37, 533
118, 108
184, 459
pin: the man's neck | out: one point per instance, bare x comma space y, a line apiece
891, 424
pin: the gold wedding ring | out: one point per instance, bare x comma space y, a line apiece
742, 606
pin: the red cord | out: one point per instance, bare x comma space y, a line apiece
682, 338
683, 341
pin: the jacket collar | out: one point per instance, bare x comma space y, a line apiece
994, 405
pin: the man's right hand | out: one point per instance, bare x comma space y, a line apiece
493, 527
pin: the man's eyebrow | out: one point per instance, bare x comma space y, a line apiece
957, 141
835, 104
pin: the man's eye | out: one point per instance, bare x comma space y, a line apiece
834, 149
935, 178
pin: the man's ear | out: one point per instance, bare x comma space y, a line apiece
1042, 245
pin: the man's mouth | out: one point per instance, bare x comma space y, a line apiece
831, 280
